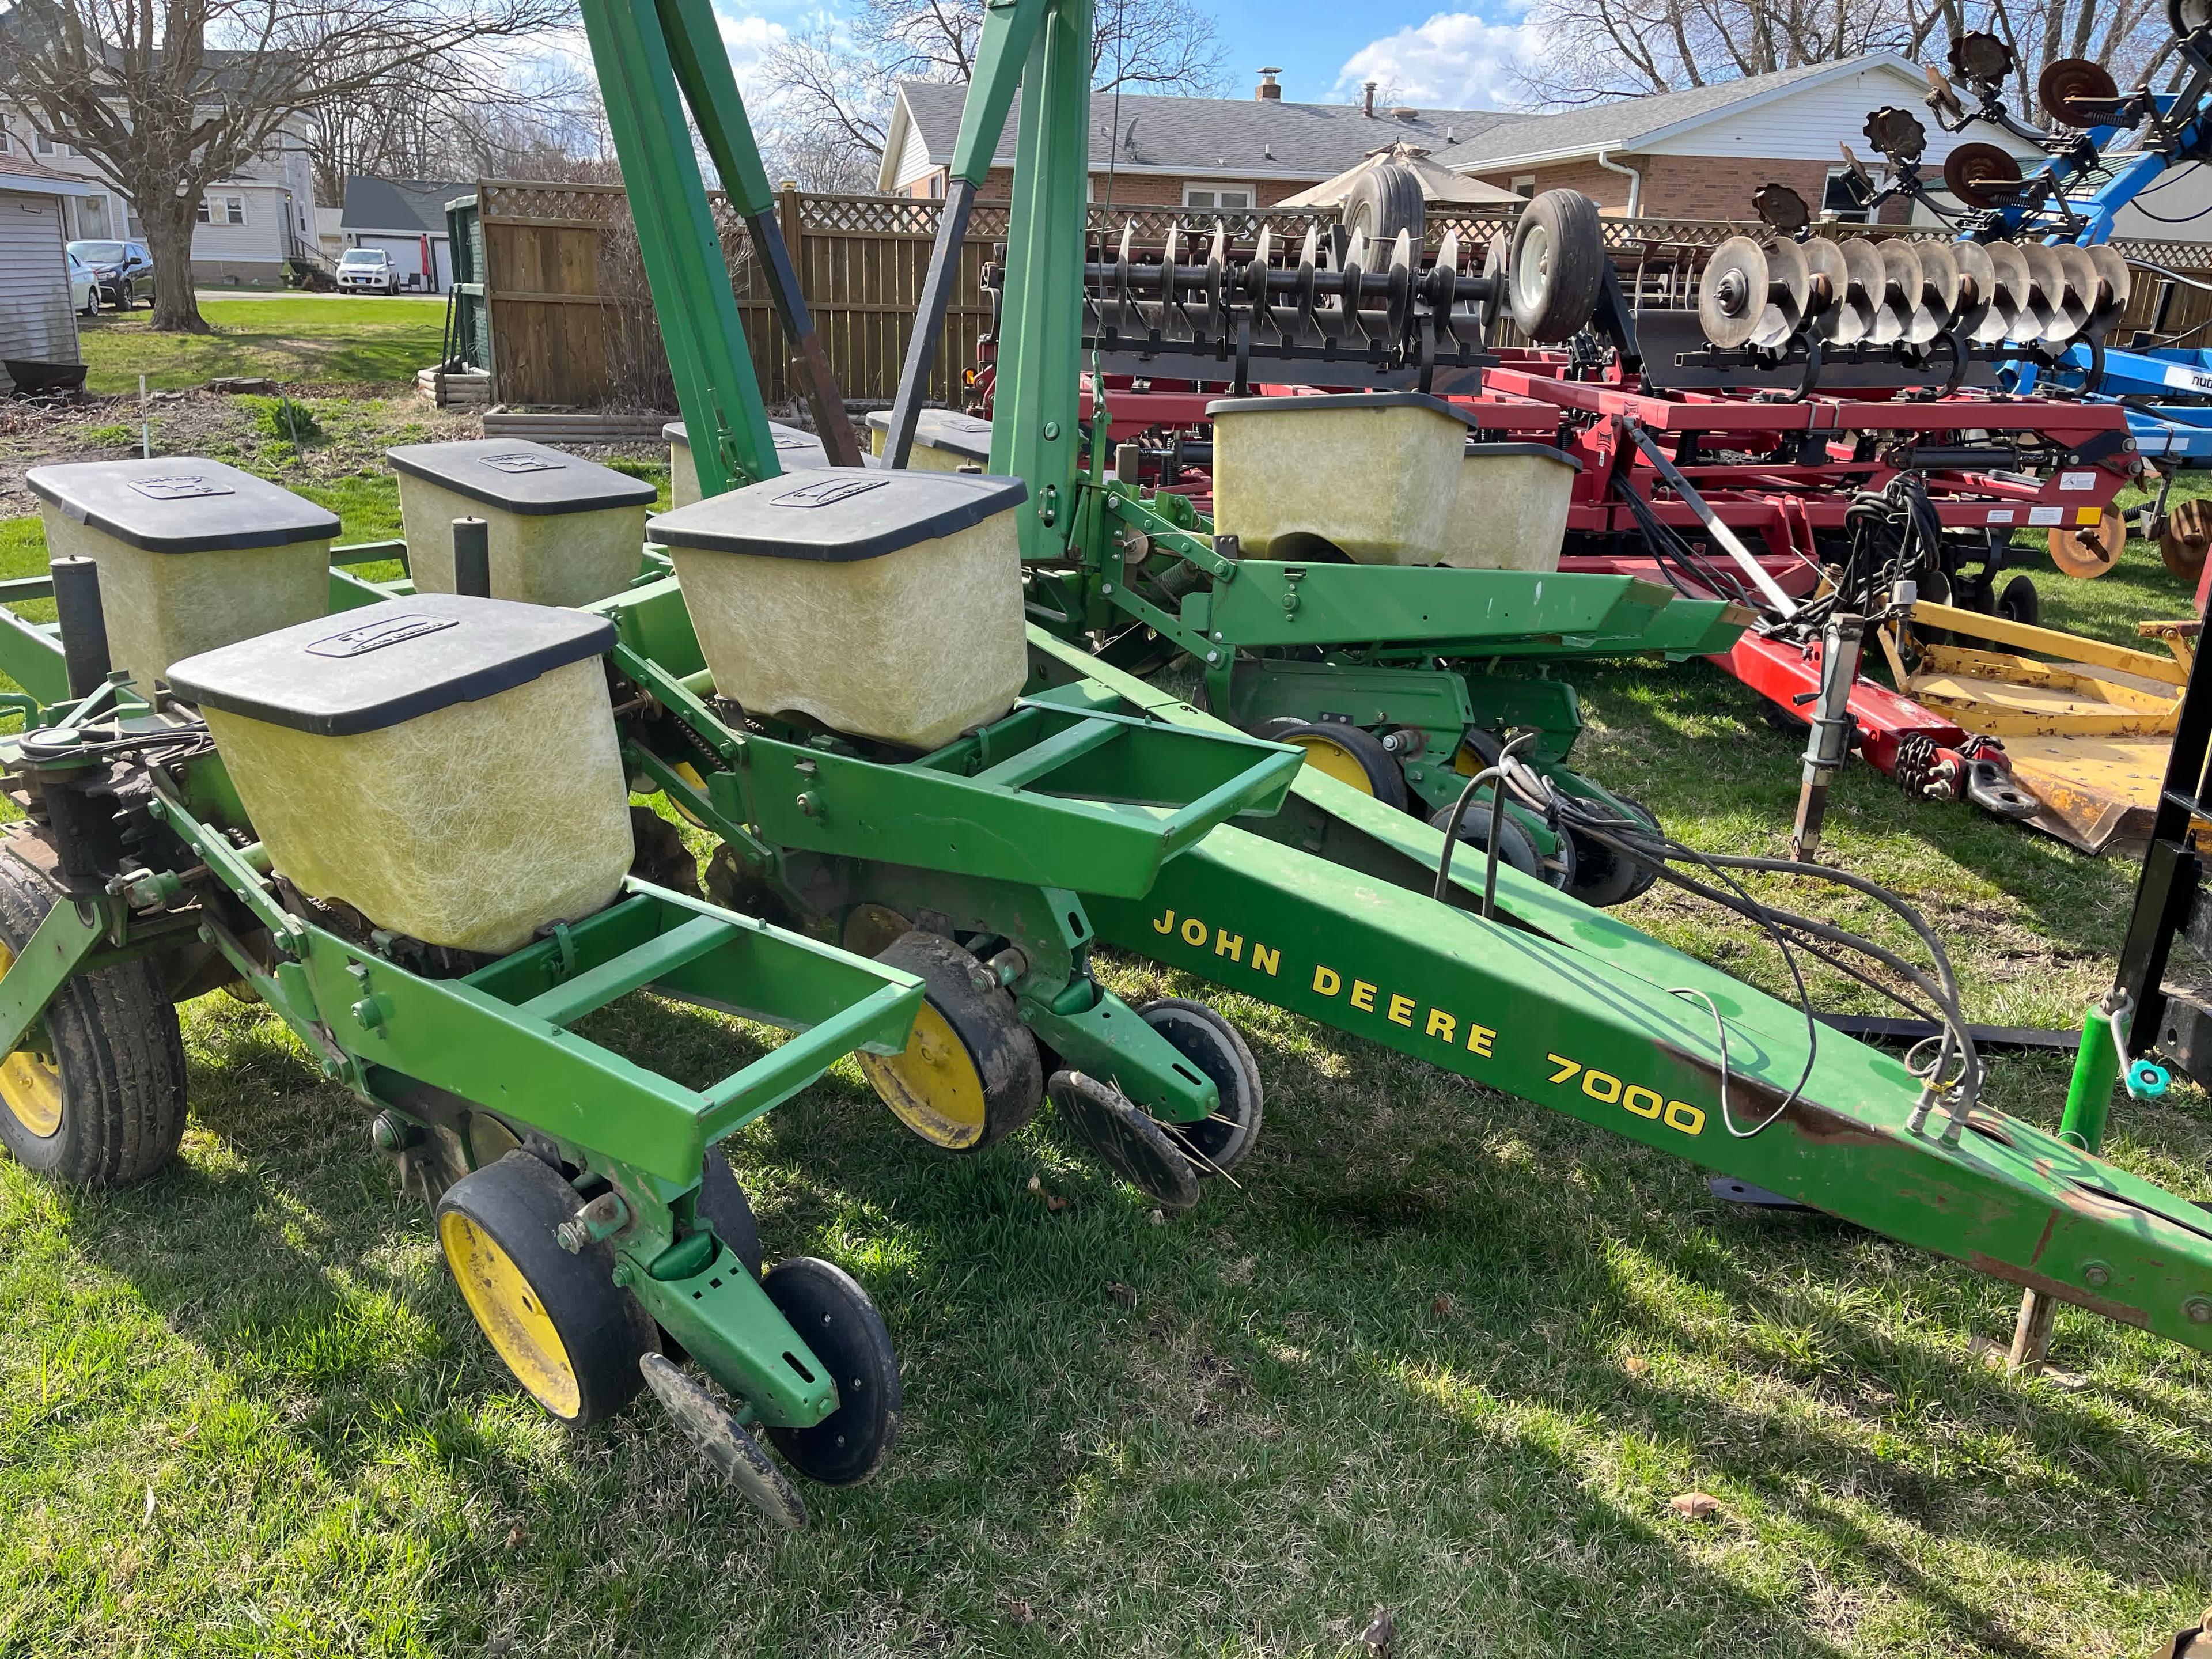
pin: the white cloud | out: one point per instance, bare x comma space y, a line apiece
1455, 60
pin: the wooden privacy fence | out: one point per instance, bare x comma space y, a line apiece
572, 324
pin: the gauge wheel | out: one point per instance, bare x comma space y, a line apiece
1602, 877
1352, 755
570, 1337
99, 1100
1208, 1040
971, 1073
2088, 551
828, 1307
2020, 603
1514, 846
2186, 538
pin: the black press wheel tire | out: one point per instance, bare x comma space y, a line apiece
1217, 1048
1352, 755
971, 1074
1604, 878
1557, 265
828, 1307
2019, 602
1277, 729
1514, 846
723, 1204
104, 1104
566, 1332
1383, 201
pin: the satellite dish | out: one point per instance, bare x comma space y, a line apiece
1982, 175
1977, 318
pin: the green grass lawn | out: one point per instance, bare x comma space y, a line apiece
1437, 1350
372, 341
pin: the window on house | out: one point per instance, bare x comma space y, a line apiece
7, 140
1524, 185
221, 210
1219, 198
46, 145
1841, 196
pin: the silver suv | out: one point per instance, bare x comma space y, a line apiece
367, 271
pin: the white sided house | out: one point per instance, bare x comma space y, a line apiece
405, 218
37, 322
1699, 153
248, 226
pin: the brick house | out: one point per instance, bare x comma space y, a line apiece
1699, 153
1232, 153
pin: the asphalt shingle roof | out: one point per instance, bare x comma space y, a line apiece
1198, 135
1619, 121
400, 204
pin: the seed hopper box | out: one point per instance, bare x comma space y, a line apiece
1511, 513
945, 440
192, 554
1371, 474
795, 452
447, 766
885, 605
563, 531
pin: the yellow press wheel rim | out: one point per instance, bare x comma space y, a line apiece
690, 773
932, 1086
30, 1084
510, 1313
1332, 759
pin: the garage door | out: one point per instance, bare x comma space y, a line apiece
406, 253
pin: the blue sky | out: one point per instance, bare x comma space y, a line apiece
1454, 58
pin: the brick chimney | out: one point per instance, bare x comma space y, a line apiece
1268, 87
1370, 99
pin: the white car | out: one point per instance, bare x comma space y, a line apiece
84, 288
367, 271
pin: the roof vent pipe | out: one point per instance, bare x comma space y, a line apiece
1371, 88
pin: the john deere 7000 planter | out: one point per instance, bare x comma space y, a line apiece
401, 825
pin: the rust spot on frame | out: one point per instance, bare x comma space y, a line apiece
2046, 1285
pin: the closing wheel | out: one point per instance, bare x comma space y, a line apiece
1557, 265
1217, 1048
1128, 1141
971, 1074
568, 1335
726, 1444
2186, 538
2019, 602
1352, 755
2088, 551
1602, 877
828, 1307
1514, 846
102, 1101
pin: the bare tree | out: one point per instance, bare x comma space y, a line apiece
836, 82
169, 96
1597, 49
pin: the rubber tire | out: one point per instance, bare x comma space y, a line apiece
2020, 603
120, 1055
1602, 878
1209, 1041
723, 1203
1002, 1049
1383, 201
1272, 730
519, 1202
827, 1306
1573, 265
1517, 850
1386, 781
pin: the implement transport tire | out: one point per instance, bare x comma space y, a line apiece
1352, 755
567, 1333
1557, 265
1383, 201
102, 1103
970, 1075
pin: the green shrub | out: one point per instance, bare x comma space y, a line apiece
287, 420
117, 436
